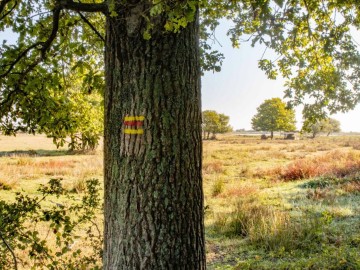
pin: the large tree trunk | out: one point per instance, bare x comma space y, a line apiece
153, 183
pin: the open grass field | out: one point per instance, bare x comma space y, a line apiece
268, 204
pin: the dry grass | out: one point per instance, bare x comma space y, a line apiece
213, 167
7, 184
68, 167
253, 189
352, 187
337, 163
240, 191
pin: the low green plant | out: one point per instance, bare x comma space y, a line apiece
220, 221
218, 187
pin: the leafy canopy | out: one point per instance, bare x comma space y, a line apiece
317, 53
47, 76
273, 115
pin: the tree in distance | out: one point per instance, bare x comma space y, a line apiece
153, 198
328, 126
273, 115
214, 123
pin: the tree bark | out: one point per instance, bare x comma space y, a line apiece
153, 183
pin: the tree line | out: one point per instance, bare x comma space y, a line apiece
272, 115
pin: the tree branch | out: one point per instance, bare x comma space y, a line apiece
86, 7
46, 45
21, 55
2, 6
91, 26
11, 251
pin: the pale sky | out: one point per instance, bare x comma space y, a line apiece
241, 87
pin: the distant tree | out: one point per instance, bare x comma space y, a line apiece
331, 125
214, 123
315, 129
272, 115
328, 126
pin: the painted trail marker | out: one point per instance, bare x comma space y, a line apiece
134, 124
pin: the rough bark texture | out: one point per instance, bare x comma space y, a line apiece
153, 183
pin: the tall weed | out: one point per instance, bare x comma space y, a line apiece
274, 230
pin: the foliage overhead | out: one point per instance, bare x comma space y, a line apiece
47, 76
273, 115
318, 54
314, 40
214, 123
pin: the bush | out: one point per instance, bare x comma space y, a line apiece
44, 235
218, 187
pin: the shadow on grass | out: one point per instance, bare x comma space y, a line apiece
36, 153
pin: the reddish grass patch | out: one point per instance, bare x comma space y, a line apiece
352, 187
211, 167
335, 163
241, 191
56, 164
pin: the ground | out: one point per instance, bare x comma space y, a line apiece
271, 204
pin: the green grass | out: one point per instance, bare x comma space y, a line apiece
269, 204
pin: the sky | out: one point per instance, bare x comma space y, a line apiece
241, 87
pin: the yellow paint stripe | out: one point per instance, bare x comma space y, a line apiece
134, 118
140, 118
134, 131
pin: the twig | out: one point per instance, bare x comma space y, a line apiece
10, 249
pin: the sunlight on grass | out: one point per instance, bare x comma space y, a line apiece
268, 204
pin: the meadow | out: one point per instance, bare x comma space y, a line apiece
269, 204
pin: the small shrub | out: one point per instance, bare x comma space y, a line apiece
218, 187
7, 184
299, 169
321, 182
220, 221
24, 221
318, 194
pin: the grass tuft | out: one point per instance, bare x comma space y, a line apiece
7, 184
218, 187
